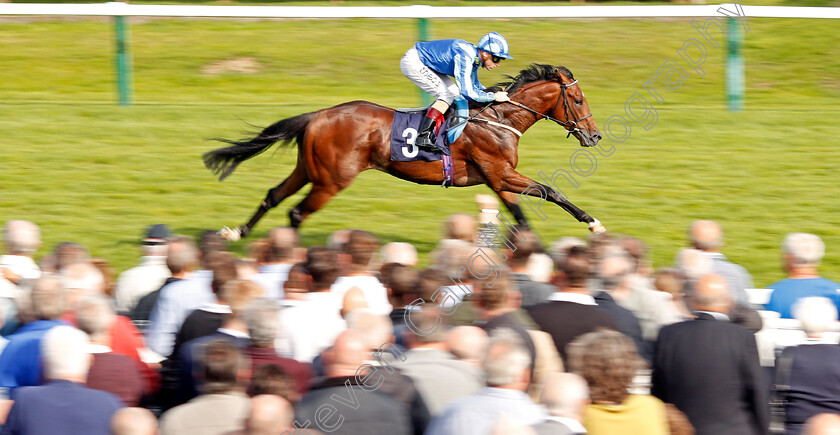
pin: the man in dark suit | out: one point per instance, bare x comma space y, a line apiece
572, 311
709, 369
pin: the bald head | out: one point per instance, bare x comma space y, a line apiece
349, 351
822, 424
270, 415
706, 236
134, 421
400, 252
467, 343
565, 395
711, 293
460, 226
613, 269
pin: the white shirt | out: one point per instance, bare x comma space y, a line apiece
139, 281
177, 300
578, 298
272, 277
375, 293
309, 327
25, 267
571, 423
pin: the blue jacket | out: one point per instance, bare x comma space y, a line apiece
456, 58
20, 362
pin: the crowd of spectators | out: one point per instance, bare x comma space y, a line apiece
499, 334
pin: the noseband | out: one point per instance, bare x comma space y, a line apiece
566, 110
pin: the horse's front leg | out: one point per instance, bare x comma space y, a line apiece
511, 201
513, 182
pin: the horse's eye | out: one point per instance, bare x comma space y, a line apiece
578, 102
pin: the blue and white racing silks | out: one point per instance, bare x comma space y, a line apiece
456, 58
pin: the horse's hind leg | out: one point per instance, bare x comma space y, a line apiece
275, 196
317, 198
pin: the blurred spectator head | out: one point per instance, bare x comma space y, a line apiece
565, 395
360, 247
637, 250
21, 237
64, 351
297, 284
816, 315
338, 239
271, 379
822, 424
706, 236
154, 240
67, 253
711, 293
349, 351
134, 421
460, 226
270, 415
182, 256
401, 253
222, 366
109, 274
223, 265
613, 269
576, 268
95, 316
282, 242
524, 243
540, 268
352, 301
238, 294
802, 250
498, 296
322, 266
693, 263
670, 281
452, 255
81, 280
560, 248
507, 363
467, 343
262, 319
210, 243
246, 268
377, 329
400, 280
429, 280
425, 319
47, 298
608, 361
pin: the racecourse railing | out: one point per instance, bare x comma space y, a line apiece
422, 13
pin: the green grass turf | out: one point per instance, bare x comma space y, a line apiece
89, 171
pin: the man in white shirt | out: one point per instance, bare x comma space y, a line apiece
147, 276
22, 239
360, 248
282, 242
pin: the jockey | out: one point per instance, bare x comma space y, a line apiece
429, 65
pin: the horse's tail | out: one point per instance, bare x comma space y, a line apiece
223, 161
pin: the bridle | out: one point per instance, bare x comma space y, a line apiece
566, 110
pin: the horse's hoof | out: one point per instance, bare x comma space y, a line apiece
597, 227
230, 235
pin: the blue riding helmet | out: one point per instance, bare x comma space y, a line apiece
495, 44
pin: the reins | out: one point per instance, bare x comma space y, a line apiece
566, 110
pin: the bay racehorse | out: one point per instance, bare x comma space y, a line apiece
337, 143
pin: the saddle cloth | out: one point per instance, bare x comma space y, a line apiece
404, 132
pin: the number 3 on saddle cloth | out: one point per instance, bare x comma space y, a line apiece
404, 132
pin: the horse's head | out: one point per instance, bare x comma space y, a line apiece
572, 110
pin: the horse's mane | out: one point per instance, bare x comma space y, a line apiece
533, 73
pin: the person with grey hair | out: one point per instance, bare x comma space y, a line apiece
109, 371
149, 274
270, 415
134, 421
62, 405
20, 362
468, 344
399, 252
566, 397
262, 318
17, 266
508, 374
707, 236
801, 256
439, 376
708, 367
612, 272
806, 369
181, 260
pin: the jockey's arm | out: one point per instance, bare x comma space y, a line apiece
466, 78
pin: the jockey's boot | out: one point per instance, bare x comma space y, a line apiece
425, 138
